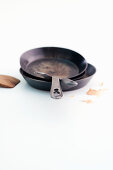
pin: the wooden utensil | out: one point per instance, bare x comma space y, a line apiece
8, 81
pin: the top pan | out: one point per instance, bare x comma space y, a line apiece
53, 61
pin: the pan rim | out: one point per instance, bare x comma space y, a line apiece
56, 47
37, 79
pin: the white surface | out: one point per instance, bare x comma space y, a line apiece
37, 132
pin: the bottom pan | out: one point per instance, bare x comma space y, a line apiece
45, 85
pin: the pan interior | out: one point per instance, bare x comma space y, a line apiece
57, 67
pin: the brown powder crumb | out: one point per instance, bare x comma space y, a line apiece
95, 92
104, 90
87, 101
101, 84
72, 96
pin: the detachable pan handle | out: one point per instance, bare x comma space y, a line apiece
56, 91
69, 82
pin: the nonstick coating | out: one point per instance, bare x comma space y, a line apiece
54, 61
45, 85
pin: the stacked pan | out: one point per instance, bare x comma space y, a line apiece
55, 69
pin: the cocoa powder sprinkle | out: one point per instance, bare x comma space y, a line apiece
95, 92
87, 101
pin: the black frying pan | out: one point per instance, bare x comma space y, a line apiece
58, 63
46, 85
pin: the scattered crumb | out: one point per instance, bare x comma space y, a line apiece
95, 92
101, 84
104, 90
87, 101
72, 96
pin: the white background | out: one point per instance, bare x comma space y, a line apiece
37, 132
